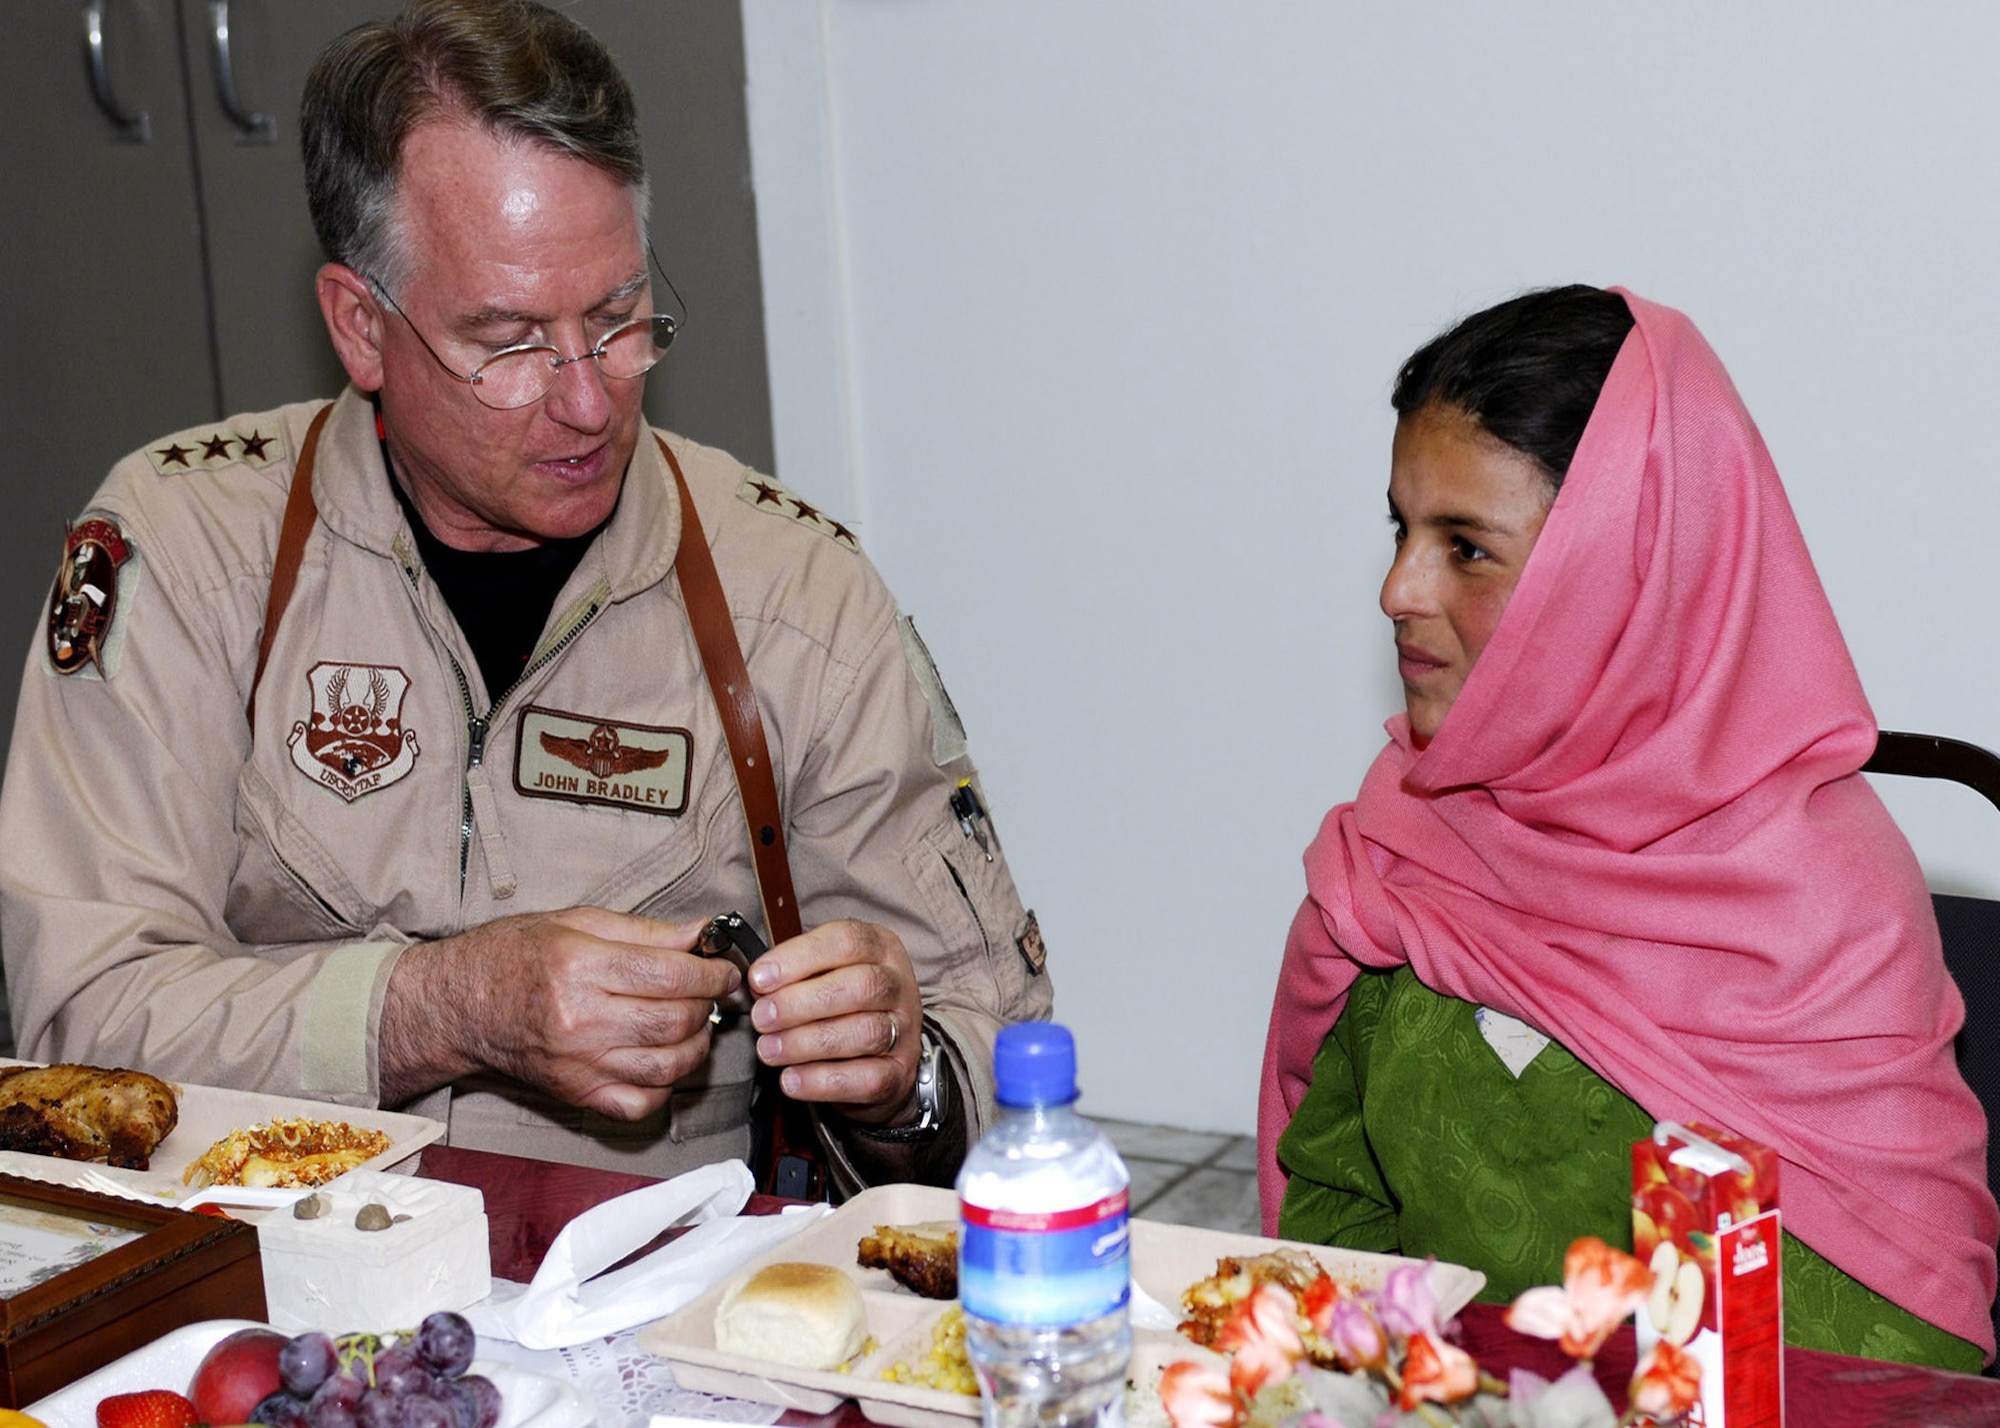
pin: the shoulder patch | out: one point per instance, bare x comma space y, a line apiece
84, 604
947, 729
767, 493
207, 448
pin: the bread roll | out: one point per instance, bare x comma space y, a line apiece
809, 1316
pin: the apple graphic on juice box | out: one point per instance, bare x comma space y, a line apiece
236, 1375
1678, 1302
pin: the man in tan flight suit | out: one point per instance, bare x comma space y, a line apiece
457, 858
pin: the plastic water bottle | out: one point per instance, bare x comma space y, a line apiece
1044, 1272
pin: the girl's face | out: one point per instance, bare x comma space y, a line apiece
1467, 509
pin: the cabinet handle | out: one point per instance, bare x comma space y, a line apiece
133, 128
251, 127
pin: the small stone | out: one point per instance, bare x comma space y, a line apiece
312, 1207
372, 1216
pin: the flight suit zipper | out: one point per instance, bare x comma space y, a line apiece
476, 789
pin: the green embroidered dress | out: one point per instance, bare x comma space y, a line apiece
1415, 1138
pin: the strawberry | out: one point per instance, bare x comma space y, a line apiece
154, 1408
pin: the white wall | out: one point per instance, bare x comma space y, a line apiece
1088, 314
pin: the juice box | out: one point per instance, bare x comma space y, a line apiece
1705, 1220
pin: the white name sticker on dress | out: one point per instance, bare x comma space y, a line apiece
1513, 1040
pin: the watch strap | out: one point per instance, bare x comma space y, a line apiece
929, 1093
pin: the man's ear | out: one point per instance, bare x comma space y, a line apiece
354, 320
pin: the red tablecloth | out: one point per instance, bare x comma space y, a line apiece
528, 1201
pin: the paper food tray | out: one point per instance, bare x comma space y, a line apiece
1165, 1260
207, 1114
527, 1400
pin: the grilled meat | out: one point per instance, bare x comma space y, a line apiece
85, 1113
923, 1258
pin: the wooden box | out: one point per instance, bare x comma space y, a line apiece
85, 1279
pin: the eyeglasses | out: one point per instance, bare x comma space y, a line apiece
521, 375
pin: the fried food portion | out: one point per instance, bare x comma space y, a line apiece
286, 1154
922, 1258
86, 1113
1207, 1302
945, 1365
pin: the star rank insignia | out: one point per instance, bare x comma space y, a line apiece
212, 447
767, 494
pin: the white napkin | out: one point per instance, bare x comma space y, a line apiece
572, 1301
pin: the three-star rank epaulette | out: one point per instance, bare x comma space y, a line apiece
205, 448
768, 494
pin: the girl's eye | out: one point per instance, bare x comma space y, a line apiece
1465, 550
1400, 530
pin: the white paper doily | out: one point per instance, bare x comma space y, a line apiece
627, 1384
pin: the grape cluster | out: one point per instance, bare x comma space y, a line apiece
406, 1380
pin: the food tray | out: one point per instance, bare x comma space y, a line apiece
527, 1400
207, 1114
1165, 1260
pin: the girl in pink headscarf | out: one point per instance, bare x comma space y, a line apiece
1617, 863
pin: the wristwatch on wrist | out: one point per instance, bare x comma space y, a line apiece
929, 1096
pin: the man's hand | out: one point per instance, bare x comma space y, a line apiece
839, 1009
599, 1009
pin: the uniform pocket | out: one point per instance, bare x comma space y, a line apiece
975, 910
286, 888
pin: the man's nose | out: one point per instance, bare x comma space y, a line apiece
578, 397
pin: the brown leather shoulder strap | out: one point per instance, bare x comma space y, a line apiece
742, 725
300, 513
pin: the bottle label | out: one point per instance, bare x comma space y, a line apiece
1045, 1268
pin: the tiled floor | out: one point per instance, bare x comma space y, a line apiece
1189, 1177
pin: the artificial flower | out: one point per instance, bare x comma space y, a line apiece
1355, 1336
1261, 1335
1435, 1372
1601, 1287
1406, 1304
1668, 1381
1196, 1396
1391, 1344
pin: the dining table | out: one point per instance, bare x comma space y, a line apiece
529, 1201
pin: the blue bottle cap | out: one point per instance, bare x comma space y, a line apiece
1034, 1064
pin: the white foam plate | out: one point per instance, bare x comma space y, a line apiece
1166, 1259
207, 1114
527, 1400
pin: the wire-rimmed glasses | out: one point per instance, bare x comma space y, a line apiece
521, 375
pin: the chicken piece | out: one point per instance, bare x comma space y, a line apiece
1208, 1302
85, 1113
923, 1258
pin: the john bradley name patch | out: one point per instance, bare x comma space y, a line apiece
583, 759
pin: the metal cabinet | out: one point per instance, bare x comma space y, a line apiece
156, 258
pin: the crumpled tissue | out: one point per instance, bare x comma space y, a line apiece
572, 1301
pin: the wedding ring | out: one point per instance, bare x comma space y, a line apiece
715, 1013
895, 1030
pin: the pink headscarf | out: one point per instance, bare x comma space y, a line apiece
1641, 829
